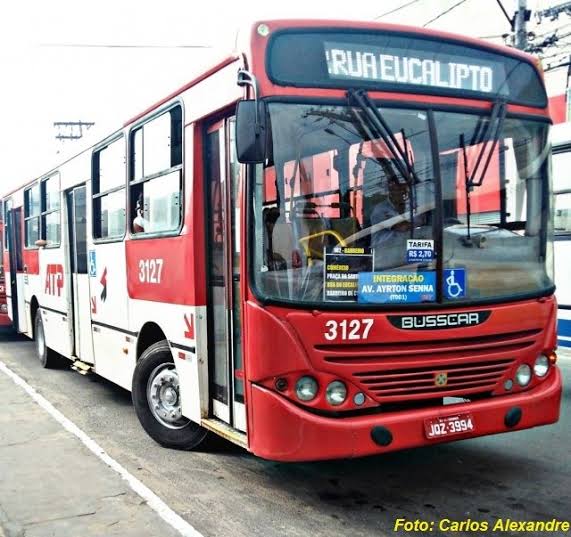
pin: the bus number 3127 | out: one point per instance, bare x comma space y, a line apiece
150, 270
354, 329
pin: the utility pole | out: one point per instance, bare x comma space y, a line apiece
521, 17
71, 130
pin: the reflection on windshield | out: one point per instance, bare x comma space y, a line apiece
496, 230
338, 219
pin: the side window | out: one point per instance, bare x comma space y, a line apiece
155, 185
7, 223
50, 221
32, 212
562, 215
562, 191
109, 191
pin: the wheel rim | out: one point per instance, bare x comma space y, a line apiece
40, 341
164, 397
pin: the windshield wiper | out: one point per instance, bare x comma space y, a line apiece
494, 125
380, 129
468, 190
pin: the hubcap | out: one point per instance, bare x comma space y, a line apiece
164, 397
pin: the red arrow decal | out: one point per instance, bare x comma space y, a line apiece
104, 284
93, 304
189, 333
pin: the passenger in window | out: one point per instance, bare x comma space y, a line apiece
139, 223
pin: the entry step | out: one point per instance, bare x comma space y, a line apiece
82, 368
223, 429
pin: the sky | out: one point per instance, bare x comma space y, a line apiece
105, 61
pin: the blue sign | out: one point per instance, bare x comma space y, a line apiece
455, 283
396, 287
419, 250
92, 264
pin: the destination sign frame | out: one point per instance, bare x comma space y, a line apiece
296, 57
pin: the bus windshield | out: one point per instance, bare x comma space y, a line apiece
343, 215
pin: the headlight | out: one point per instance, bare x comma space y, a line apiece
336, 393
306, 388
3, 308
523, 375
541, 366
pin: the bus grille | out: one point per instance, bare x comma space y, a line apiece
408, 370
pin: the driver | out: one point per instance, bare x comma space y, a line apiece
396, 203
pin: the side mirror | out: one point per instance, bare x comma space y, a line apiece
251, 132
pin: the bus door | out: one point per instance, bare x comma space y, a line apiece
79, 281
223, 247
16, 285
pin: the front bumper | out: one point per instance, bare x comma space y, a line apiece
280, 430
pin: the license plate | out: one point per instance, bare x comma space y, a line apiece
449, 426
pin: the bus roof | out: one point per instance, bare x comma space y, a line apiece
278, 24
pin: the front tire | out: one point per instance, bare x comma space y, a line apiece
48, 358
156, 398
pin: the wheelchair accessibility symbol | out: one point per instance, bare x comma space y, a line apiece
455, 283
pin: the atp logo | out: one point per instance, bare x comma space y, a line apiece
54, 280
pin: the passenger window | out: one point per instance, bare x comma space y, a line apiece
562, 214
32, 213
109, 191
50, 221
156, 174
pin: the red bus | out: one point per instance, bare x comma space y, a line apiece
334, 243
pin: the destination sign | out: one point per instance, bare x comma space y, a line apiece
357, 62
400, 61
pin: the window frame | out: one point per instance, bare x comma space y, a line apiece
99, 195
560, 235
558, 150
324, 306
5, 211
179, 168
45, 212
27, 217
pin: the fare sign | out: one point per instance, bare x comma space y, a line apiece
348, 61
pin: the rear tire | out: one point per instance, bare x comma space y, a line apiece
156, 398
48, 358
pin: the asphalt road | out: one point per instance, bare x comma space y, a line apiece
228, 492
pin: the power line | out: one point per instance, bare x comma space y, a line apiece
497, 36
558, 66
535, 36
554, 11
396, 9
112, 45
559, 53
510, 20
550, 41
443, 13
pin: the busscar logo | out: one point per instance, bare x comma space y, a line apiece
439, 321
